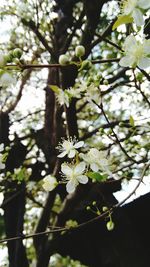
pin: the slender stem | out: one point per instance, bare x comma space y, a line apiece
40, 66
103, 215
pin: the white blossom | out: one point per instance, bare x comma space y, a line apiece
50, 183
69, 147
1, 147
92, 94
133, 8
6, 80
62, 97
96, 160
136, 53
74, 175
73, 92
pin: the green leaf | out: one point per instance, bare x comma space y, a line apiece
97, 176
54, 88
131, 120
122, 20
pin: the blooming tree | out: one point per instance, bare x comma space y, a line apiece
74, 81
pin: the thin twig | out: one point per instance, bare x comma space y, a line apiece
103, 215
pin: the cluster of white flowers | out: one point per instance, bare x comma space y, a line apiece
2, 165
76, 171
88, 92
97, 160
136, 53
64, 96
134, 8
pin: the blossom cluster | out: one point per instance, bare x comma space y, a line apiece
88, 92
76, 172
136, 48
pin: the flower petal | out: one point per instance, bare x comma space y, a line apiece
138, 17
1, 147
79, 169
71, 186
66, 169
83, 179
71, 153
63, 154
94, 167
144, 63
126, 61
146, 46
2, 166
144, 4
130, 43
79, 144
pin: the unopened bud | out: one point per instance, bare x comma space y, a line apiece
17, 53
9, 57
110, 225
105, 82
94, 203
2, 60
105, 209
63, 60
79, 51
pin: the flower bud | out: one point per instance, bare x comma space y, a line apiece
110, 225
105, 82
94, 203
63, 60
80, 51
9, 57
17, 53
105, 209
2, 60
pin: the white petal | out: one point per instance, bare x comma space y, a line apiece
138, 17
144, 4
146, 46
1, 147
130, 43
79, 169
71, 186
63, 154
126, 61
83, 179
144, 63
2, 166
71, 153
94, 167
79, 144
66, 169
